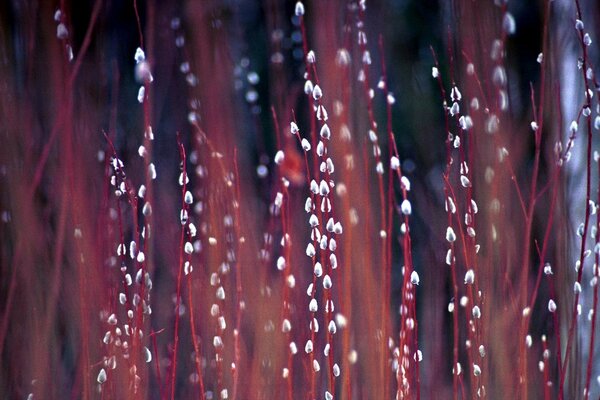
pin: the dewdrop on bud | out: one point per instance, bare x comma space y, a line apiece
317, 93
587, 40
476, 312
435, 73
310, 57
469, 277
551, 306
548, 269
188, 248
476, 370
299, 9
406, 207
279, 157
328, 395
414, 278
577, 288
188, 198
405, 183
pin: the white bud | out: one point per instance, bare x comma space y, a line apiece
333, 261
279, 157
406, 207
395, 163
294, 128
508, 24
551, 306
317, 93
450, 235
308, 348
323, 188
325, 132
305, 145
313, 305
281, 263
470, 277
141, 94
318, 269
414, 278
299, 9
464, 181
101, 376
310, 250
139, 55
308, 204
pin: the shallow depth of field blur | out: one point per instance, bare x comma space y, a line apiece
246, 199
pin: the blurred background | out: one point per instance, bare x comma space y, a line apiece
227, 78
